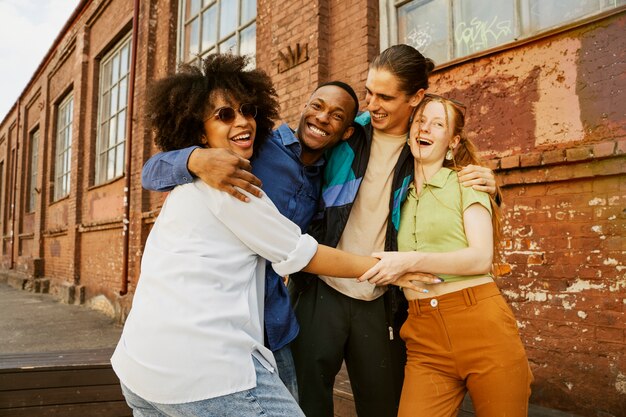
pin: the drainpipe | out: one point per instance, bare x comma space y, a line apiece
129, 147
17, 158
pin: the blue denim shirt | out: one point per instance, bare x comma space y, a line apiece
293, 187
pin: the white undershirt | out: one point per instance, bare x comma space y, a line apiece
197, 315
367, 224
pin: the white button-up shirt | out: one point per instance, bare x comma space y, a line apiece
197, 314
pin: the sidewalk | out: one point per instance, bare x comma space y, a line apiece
35, 322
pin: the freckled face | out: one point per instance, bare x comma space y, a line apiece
430, 135
238, 135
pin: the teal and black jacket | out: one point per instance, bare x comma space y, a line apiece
344, 172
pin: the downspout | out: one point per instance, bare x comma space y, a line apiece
17, 158
129, 147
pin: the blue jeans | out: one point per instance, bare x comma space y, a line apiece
287, 369
269, 398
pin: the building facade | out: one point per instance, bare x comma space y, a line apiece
544, 83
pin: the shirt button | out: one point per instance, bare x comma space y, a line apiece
434, 303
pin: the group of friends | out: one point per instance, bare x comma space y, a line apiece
365, 238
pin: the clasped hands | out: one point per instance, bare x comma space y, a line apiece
398, 268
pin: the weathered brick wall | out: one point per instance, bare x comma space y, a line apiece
339, 37
549, 116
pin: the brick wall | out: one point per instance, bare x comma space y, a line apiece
549, 119
549, 116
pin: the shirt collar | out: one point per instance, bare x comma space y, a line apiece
441, 177
438, 180
290, 140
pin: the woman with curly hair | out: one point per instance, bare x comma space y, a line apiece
193, 342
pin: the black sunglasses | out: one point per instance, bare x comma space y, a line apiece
228, 114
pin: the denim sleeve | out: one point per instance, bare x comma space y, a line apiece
166, 170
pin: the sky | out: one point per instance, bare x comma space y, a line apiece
27, 30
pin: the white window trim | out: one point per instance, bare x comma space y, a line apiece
99, 177
62, 107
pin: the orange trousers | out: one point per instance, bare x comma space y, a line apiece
459, 342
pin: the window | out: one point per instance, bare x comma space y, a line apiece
32, 180
112, 109
444, 30
63, 150
209, 26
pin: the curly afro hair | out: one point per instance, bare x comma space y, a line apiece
178, 104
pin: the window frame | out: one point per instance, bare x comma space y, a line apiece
388, 10
103, 151
63, 157
239, 28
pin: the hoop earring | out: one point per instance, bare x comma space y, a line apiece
449, 155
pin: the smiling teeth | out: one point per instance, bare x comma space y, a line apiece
318, 131
378, 116
242, 137
426, 141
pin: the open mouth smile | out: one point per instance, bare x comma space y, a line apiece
317, 130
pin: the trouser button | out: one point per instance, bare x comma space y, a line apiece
434, 303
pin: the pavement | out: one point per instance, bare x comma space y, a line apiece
38, 323
35, 322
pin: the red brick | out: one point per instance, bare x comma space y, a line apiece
509, 162
493, 164
610, 334
577, 154
530, 159
552, 157
603, 149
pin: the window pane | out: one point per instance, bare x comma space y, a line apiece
545, 14
248, 11
104, 133
124, 59
228, 17
106, 76
114, 98
192, 7
247, 45
229, 45
424, 26
119, 160
106, 104
209, 27
121, 126
482, 25
192, 32
115, 68
112, 136
123, 100
110, 168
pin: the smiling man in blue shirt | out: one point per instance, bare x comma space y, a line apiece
290, 166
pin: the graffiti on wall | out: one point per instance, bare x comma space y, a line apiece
420, 37
480, 34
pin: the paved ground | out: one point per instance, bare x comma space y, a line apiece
34, 322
